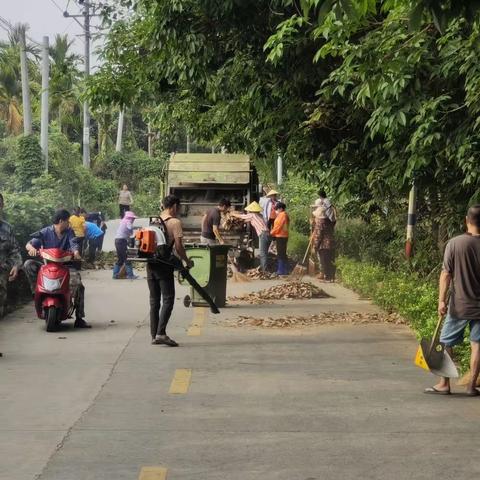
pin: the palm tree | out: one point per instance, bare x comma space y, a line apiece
64, 79
10, 79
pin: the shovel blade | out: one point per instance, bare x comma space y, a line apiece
436, 359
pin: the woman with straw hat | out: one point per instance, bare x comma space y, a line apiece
255, 218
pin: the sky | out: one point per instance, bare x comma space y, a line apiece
45, 18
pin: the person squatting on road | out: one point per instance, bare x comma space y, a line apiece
279, 233
255, 218
324, 242
124, 232
461, 272
211, 223
160, 278
59, 235
125, 200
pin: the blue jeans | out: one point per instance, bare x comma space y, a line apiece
453, 330
264, 244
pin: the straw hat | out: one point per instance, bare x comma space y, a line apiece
272, 192
254, 207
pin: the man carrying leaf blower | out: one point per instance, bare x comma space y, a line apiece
461, 272
161, 281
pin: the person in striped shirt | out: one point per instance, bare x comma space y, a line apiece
255, 218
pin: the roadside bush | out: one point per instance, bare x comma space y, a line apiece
297, 244
29, 164
406, 293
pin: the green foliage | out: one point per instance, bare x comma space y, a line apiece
298, 195
405, 293
297, 245
29, 164
30, 211
130, 168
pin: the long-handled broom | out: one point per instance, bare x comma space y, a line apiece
300, 269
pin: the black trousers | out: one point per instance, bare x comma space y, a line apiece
123, 209
327, 262
281, 248
161, 284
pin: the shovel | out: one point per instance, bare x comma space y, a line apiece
433, 357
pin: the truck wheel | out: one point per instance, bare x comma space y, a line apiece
52, 319
187, 301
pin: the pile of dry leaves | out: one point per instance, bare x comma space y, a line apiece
257, 274
284, 291
325, 318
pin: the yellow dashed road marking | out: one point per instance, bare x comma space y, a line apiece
199, 316
153, 473
181, 381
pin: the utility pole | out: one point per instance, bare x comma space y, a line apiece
411, 221
86, 15
279, 169
188, 143
118, 146
86, 111
27, 109
150, 140
44, 105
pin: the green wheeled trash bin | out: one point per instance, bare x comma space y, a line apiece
210, 271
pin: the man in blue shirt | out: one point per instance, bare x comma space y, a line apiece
58, 235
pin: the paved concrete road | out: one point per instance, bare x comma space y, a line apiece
335, 402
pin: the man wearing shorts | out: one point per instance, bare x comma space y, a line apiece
461, 272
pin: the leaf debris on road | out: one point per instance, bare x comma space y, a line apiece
324, 318
284, 291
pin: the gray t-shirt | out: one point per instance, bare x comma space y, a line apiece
462, 262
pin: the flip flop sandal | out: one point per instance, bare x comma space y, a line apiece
434, 391
475, 393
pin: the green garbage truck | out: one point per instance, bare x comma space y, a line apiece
200, 180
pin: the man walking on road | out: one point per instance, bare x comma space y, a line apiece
161, 281
211, 223
461, 271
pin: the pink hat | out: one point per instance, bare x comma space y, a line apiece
129, 214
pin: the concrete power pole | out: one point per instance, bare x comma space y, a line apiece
121, 116
44, 105
27, 109
86, 15
86, 110
279, 169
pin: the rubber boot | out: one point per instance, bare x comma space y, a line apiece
116, 270
129, 270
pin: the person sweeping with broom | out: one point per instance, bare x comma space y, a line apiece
461, 272
255, 218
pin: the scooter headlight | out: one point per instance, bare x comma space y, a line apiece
51, 284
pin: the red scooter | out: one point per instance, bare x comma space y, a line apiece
53, 298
